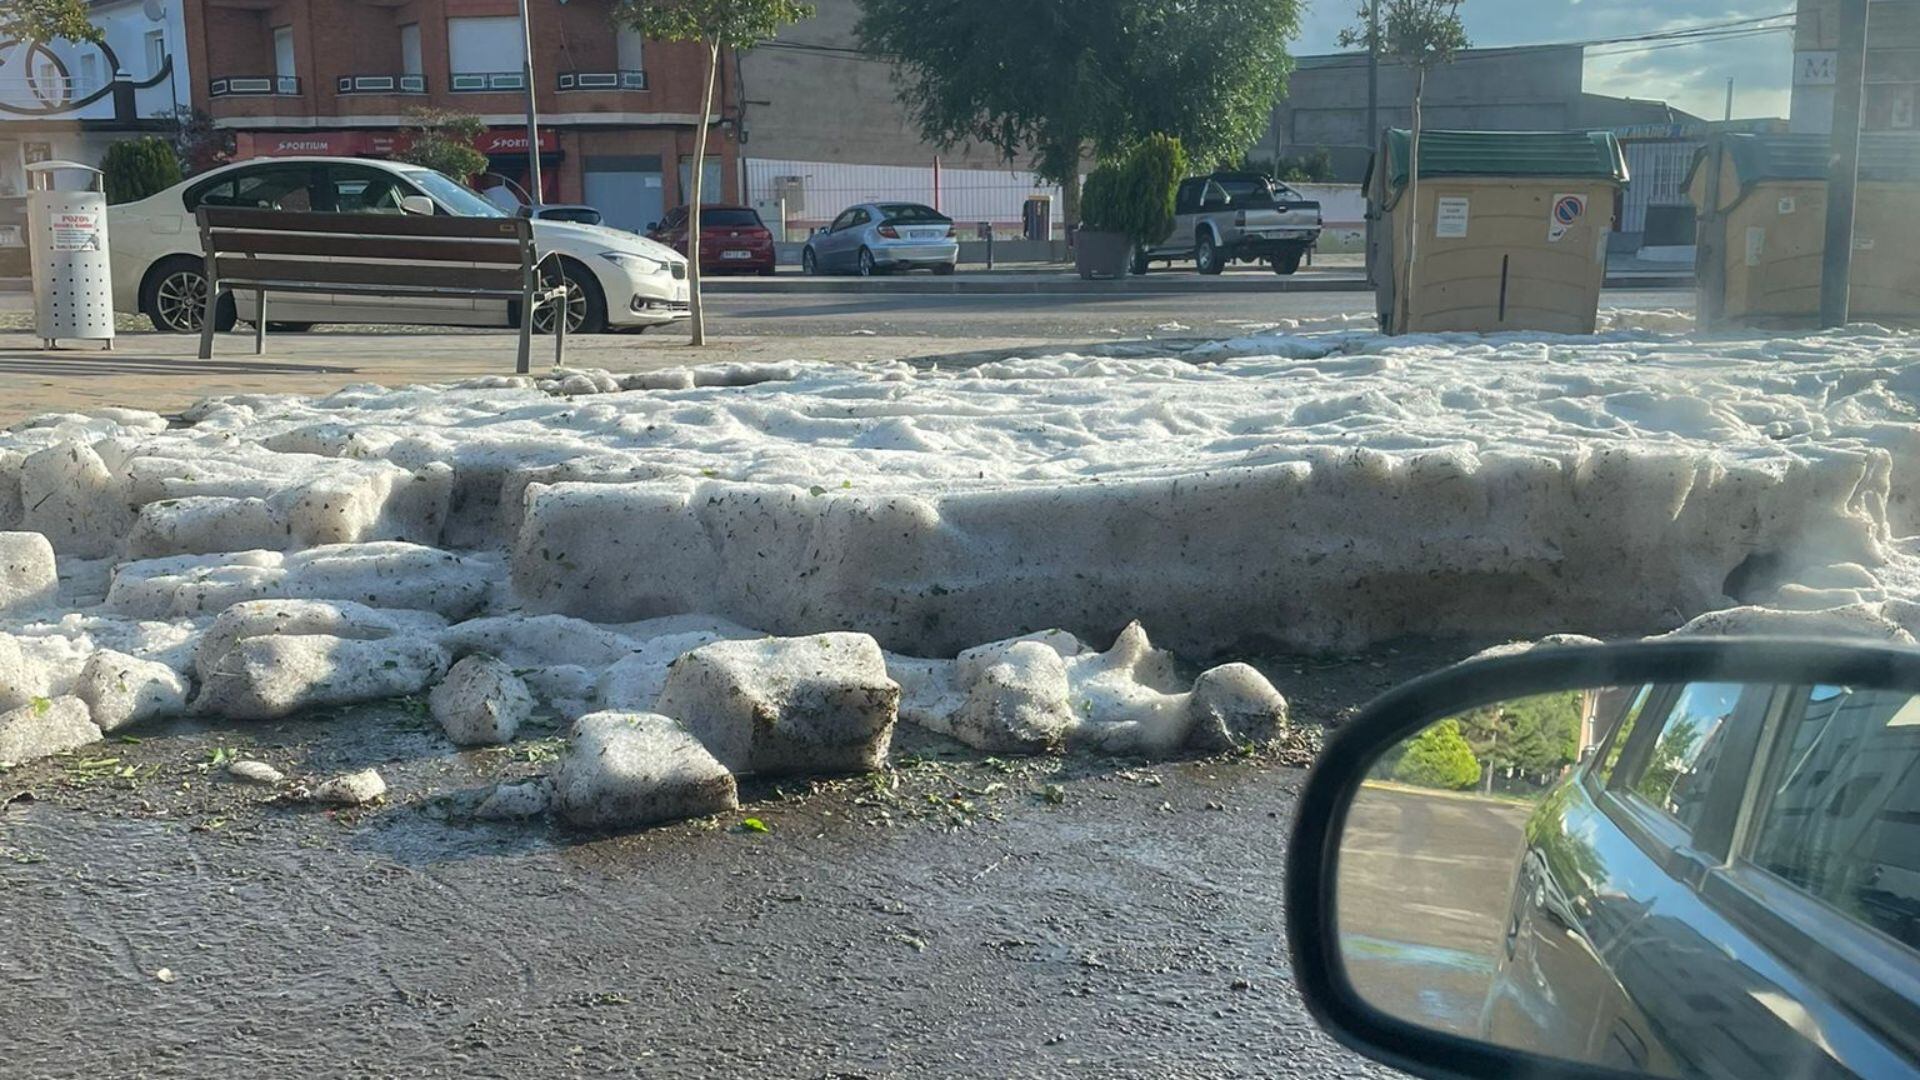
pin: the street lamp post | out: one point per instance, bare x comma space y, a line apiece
1373, 113
1843, 165
539, 192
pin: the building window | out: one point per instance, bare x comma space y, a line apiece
47, 81
1839, 818
1676, 776
486, 53
286, 80
87, 78
629, 51
711, 184
156, 51
410, 50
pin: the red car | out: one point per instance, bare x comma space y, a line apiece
733, 239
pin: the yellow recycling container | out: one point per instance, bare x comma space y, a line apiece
1762, 205
1510, 231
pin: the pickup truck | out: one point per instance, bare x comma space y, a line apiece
1228, 216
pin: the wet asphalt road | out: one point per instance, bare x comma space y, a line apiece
1094, 317
953, 916
1128, 931
1426, 882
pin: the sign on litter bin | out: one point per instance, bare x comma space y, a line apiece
72, 279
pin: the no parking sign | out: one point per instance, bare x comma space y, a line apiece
1567, 210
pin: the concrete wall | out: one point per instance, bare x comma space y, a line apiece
89, 67
1530, 89
83, 133
815, 106
1892, 98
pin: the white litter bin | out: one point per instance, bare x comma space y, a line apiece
72, 279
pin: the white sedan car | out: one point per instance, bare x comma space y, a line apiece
614, 279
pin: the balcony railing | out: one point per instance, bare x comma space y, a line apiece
479, 82
383, 84
254, 86
603, 80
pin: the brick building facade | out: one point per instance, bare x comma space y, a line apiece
618, 115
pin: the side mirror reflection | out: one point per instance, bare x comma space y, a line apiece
1672, 876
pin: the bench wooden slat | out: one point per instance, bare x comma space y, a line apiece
275, 287
505, 250
230, 217
238, 270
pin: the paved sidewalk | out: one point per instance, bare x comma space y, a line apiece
161, 371
1340, 275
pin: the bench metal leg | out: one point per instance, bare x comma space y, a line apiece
260, 321
206, 319
524, 364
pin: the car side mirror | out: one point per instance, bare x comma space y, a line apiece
1591, 860
417, 204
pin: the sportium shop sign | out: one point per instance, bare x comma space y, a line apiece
374, 144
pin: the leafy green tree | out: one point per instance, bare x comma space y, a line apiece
1205, 73
1422, 34
1439, 757
1313, 167
1535, 736
1546, 732
442, 140
47, 20
1673, 754
1047, 79
196, 142
717, 25
136, 168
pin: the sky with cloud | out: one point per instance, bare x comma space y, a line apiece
1691, 76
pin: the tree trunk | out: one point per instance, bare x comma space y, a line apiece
1413, 194
696, 315
1070, 204
1490, 751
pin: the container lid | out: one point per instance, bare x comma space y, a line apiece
1572, 155
1884, 156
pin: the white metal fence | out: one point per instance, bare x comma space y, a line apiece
816, 191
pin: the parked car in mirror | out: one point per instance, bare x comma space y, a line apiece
614, 279
1725, 837
733, 239
1688, 858
1228, 217
880, 237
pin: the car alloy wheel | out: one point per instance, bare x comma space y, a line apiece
809, 265
179, 300
576, 308
1206, 257
866, 263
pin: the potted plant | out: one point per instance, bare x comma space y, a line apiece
1101, 246
1126, 204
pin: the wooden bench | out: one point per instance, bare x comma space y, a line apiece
269, 251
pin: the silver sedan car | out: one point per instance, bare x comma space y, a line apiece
873, 238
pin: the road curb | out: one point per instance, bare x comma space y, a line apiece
1073, 286
1062, 285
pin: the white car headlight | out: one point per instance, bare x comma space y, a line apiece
638, 264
